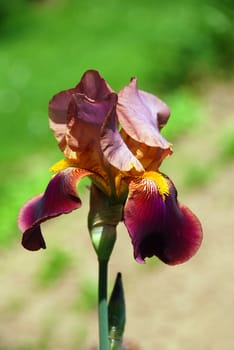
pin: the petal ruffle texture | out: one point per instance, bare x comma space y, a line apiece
114, 148
158, 225
85, 119
150, 157
142, 115
60, 197
92, 85
57, 109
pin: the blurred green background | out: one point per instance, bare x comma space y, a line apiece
174, 48
45, 46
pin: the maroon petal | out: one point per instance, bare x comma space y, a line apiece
158, 225
58, 107
59, 198
150, 157
85, 119
114, 148
92, 85
142, 115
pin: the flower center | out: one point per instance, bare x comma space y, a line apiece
160, 181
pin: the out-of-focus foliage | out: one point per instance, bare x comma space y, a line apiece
45, 46
54, 268
227, 142
87, 298
9, 8
48, 46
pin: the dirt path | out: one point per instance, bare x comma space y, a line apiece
187, 307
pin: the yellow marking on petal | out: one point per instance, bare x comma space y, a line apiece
121, 187
63, 164
160, 181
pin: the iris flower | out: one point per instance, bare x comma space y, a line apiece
115, 140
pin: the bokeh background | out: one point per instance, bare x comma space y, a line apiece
183, 52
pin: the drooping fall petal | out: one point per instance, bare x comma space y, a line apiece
142, 115
158, 225
60, 197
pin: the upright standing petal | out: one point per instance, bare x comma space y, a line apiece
142, 115
84, 113
59, 198
114, 148
85, 120
91, 85
157, 224
76, 118
58, 107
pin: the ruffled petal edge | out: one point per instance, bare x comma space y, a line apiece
158, 225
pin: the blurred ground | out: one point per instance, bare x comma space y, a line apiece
187, 307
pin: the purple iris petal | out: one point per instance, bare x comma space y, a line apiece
91, 85
150, 157
58, 115
84, 120
158, 226
142, 115
59, 198
32, 238
114, 148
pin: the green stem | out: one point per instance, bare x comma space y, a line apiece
102, 305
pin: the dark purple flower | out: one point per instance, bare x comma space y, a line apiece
115, 140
